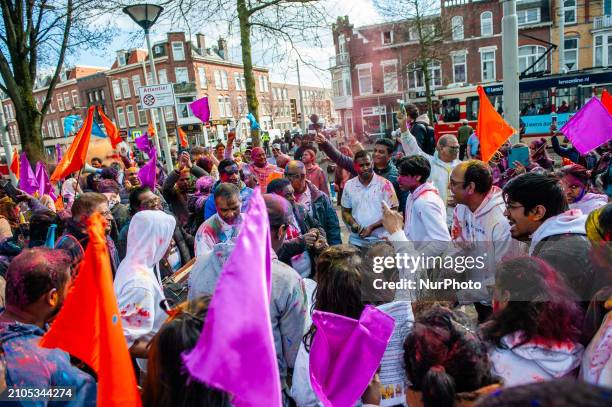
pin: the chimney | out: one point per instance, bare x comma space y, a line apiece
222, 43
201, 41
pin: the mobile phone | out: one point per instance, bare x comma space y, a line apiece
554, 119
10, 190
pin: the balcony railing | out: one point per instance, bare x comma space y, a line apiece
602, 22
339, 60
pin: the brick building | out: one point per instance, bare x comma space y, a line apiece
374, 65
286, 108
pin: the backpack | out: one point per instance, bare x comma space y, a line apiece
428, 143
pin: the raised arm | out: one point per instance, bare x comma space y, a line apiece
336, 156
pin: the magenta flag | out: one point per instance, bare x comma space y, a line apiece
27, 179
590, 127
200, 109
144, 144
42, 179
345, 354
148, 173
235, 352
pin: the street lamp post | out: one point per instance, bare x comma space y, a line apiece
511, 66
145, 15
6, 141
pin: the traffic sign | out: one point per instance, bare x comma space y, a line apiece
156, 96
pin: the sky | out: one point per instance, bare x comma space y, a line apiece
360, 12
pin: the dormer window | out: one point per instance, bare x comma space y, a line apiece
387, 37
158, 50
121, 58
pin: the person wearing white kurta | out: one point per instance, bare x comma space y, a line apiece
137, 283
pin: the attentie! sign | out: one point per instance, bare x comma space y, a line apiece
156, 96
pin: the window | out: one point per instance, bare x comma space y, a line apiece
450, 110
221, 101
202, 77
365, 79
60, 103
56, 128
486, 24
130, 115
570, 11
121, 58
263, 84
603, 50
90, 97
136, 84
150, 78
387, 37
528, 55
528, 16
162, 75
218, 84
51, 109
182, 106
142, 116
181, 75
116, 90
416, 78
228, 107
487, 65
178, 51
570, 53
457, 24
459, 68
237, 81
75, 98
389, 76
120, 117
224, 80
413, 33
67, 103
101, 95
240, 106
169, 113
337, 83
243, 81
125, 85
50, 129
607, 7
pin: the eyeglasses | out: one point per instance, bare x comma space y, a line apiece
454, 148
288, 175
512, 207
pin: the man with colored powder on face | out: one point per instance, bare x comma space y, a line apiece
263, 170
228, 173
362, 202
223, 225
37, 282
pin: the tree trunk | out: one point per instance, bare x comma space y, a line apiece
247, 63
29, 123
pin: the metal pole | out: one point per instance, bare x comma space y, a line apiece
561, 47
160, 112
303, 121
6, 142
511, 71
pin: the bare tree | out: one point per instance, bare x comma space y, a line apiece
41, 33
420, 21
279, 26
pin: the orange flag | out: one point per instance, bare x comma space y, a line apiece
15, 163
151, 129
111, 129
606, 99
492, 130
59, 203
183, 138
74, 159
89, 326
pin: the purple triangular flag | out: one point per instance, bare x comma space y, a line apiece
200, 109
235, 352
346, 353
42, 179
590, 127
58, 152
148, 174
27, 179
144, 144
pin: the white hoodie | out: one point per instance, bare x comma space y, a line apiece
440, 170
590, 202
137, 283
425, 217
534, 361
569, 222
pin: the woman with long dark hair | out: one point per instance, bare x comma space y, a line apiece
535, 328
167, 383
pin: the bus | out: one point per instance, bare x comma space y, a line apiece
540, 99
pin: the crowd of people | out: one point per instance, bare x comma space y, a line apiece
539, 333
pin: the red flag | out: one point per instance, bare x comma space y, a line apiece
151, 130
183, 138
89, 326
111, 129
606, 99
74, 159
15, 169
492, 130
